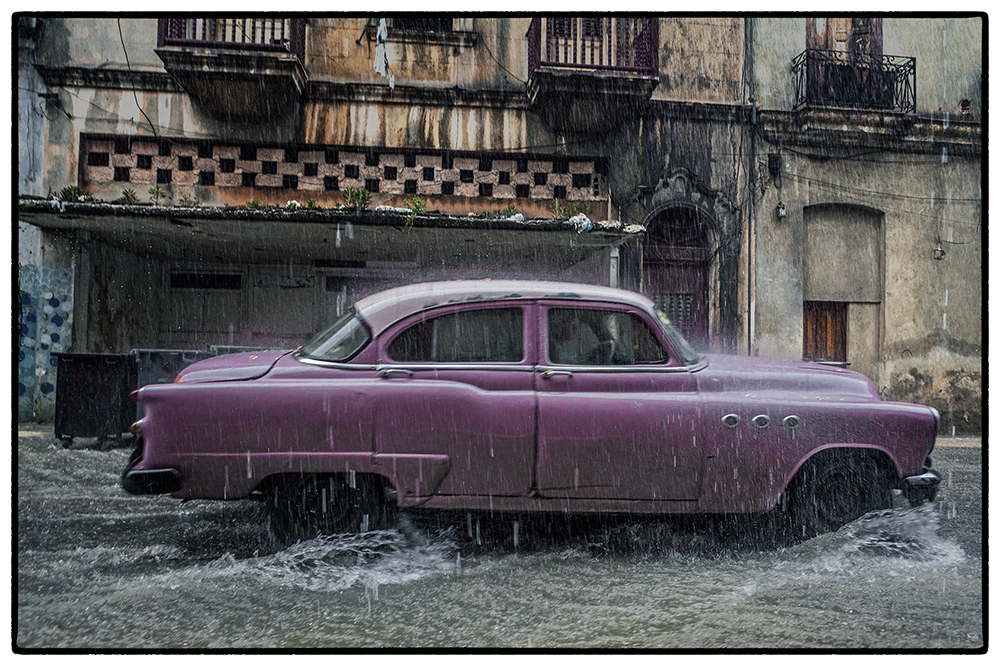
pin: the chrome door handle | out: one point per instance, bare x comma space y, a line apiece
387, 373
549, 374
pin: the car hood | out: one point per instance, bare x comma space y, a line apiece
231, 367
796, 378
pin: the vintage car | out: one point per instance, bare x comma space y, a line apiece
520, 396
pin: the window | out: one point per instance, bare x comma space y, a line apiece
206, 178
331, 183
485, 189
248, 179
311, 169
473, 336
422, 24
541, 178
144, 161
352, 171
248, 153
601, 337
185, 163
290, 181
98, 159
163, 176
269, 167
559, 191
340, 341
331, 156
409, 187
522, 191
389, 173
581, 180
122, 174
428, 173
230, 281
227, 165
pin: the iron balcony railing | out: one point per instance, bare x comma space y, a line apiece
857, 81
594, 43
241, 34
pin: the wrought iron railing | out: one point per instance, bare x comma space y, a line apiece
245, 34
604, 43
857, 81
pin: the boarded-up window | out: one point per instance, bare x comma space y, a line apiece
824, 331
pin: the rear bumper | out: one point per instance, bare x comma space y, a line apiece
921, 488
151, 481
148, 481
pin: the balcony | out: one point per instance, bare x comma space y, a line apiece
584, 71
855, 81
248, 68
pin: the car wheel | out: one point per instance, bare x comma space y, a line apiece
835, 490
304, 506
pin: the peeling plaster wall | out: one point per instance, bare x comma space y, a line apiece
932, 310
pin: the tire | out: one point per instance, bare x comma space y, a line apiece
302, 507
834, 490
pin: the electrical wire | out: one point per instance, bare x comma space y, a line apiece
129, 65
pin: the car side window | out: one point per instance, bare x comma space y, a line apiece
471, 336
580, 336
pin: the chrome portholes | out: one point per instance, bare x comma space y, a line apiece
761, 421
791, 421
730, 420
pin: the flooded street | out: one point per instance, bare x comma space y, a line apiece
98, 569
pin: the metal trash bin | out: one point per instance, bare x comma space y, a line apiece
160, 366
92, 395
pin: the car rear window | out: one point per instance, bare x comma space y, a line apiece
340, 341
471, 336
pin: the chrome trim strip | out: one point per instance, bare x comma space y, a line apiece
334, 364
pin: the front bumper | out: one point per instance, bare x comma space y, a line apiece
921, 488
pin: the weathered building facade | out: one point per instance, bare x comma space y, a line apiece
659, 129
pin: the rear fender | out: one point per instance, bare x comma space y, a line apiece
413, 477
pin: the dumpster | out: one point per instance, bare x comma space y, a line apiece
92, 395
160, 366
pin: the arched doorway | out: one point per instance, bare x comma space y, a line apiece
675, 266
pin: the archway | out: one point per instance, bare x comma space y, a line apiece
676, 265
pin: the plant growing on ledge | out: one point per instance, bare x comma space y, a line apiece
357, 198
156, 193
417, 206
185, 200
253, 204
562, 212
129, 197
72, 193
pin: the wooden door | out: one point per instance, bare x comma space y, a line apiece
824, 331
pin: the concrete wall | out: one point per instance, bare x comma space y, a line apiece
931, 335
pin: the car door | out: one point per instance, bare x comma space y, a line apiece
458, 382
618, 413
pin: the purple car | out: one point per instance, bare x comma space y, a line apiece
525, 397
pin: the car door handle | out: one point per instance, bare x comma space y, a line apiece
549, 374
387, 373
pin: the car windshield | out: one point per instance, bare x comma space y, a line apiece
677, 340
340, 341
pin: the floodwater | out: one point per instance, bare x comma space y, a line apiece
98, 569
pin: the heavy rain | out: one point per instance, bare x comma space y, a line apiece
101, 570
726, 298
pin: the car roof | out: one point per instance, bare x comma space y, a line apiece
387, 307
